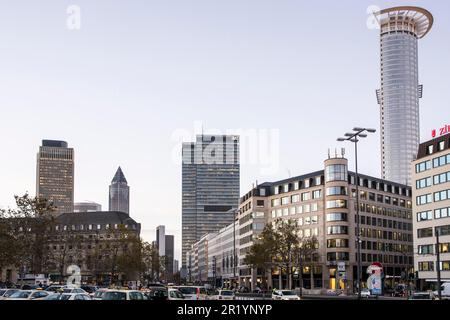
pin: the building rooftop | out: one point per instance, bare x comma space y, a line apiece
95, 217
119, 177
54, 143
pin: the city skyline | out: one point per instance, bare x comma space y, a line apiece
280, 68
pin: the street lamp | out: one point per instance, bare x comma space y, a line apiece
354, 137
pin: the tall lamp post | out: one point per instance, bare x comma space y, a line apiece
354, 137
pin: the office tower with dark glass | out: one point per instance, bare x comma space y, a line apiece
119, 193
55, 174
210, 186
398, 96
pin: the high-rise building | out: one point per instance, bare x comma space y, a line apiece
210, 186
119, 193
175, 266
431, 211
55, 174
161, 240
169, 254
398, 96
87, 206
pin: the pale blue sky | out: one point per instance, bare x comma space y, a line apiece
138, 71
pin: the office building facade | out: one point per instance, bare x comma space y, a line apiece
55, 174
398, 96
431, 210
161, 240
119, 193
210, 186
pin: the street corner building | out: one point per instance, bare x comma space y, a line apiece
324, 205
431, 211
400, 91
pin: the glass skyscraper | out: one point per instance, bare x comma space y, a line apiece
400, 29
55, 174
210, 186
119, 193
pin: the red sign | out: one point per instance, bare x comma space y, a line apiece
444, 130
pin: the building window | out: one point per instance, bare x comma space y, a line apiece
441, 195
295, 198
260, 203
306, 196
296, 185
441, 161
332, 191
286, 187
307, 184
292, 210
275, 202
424, 199
422, 233
441, 213
99, 227
337, 243
316, 194
338, 216
337, 230
314, 207
426, 266
285, 200
426, 249
336, 172
285, 211
299, 209
424, 215
337, 256
423, 183
300, 221
443, 230
430, 149
336, 204
441, 145
423, 166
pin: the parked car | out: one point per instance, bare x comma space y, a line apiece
123, 295
365, 293
89, 289
68, 296
54, 288
29, 295
157, 293
193, 292
428, 295
285, 295
6, 293
174, 294
99, 294
224, 295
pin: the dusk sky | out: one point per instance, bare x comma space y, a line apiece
123, 88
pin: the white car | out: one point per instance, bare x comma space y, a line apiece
365, 293
6, 293
193, 292
445, 291
123, 295
68, 296
29, 295
224, 295
285, 295
174, 294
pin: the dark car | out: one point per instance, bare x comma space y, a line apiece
157, 293
89, 289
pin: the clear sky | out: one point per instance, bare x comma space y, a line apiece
137, 73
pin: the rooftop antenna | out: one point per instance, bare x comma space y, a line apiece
329, 153
343, 152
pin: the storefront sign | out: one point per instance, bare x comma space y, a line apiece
441, 131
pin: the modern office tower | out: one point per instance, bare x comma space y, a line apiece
161, 240
55, 174
399, 94
119, 193
169, 254
431, 210
87, 206
175, 266
210, 186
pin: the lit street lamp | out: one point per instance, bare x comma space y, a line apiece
354, 137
